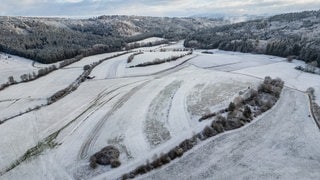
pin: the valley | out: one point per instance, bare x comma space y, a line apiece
146, 111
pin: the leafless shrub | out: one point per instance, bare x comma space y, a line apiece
207, 116
311, 91
86, 67
290, 58
115, 163
238, 101
208, 132
217, 126
186, 144
164, 158
247, 112
93, 162
107, 155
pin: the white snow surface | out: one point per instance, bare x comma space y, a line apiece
15, 66
284, 70
148, 40
231, 61
281, 144
153, 56
117, 105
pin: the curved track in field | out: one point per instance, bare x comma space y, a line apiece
241, 154
91, 139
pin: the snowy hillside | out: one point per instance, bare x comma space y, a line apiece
146, 111
292, 34
49, 40
16, 66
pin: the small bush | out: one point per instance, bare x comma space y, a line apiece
186, 145
247, 112
234, 123
231, 107
93, 162
207, 116
141, 170
107, 155
290, 58
86, 67
238, 101
115, 163
164, 158
217, 127
156, 163
265, 87
277, 82
179, 151
172, 154
221, 120
311, 91
207, 132
125, 177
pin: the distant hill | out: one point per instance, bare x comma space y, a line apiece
292, 34
49, 40
231, 18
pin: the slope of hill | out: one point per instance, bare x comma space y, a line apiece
282, 144
49, 40
293, 34
145, 111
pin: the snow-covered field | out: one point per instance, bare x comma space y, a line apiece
155, 56
15, 66
281, 144
231, 61
118, 68
148, 40
148, 110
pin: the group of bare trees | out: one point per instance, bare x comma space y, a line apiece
28, 77
160, 61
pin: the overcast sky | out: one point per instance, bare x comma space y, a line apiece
89, 8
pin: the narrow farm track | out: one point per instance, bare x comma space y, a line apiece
112, 72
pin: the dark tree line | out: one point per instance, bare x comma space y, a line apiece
49, 40
44, 43
293, 34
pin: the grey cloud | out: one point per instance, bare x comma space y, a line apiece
148, 7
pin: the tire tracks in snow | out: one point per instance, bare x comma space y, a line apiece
161, 73
96, 105
112, 72
92, 138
